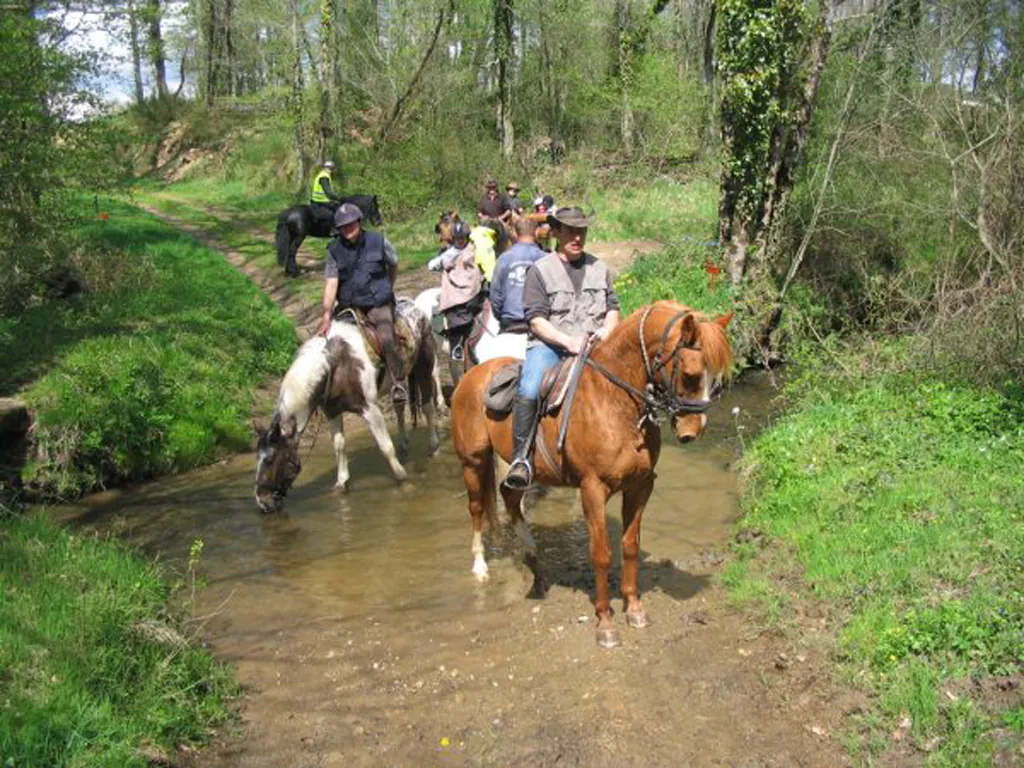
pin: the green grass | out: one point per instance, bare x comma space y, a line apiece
900, 503
677, 272
149, 371
92, 666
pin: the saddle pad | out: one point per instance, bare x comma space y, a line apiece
504, 385
502, 389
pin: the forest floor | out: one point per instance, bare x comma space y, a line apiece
522, 682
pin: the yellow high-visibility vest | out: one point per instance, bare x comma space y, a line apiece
484, 239
318, 195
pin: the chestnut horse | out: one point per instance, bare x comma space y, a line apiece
664, 358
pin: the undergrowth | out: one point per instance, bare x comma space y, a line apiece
898, 500
96, 672
148, 370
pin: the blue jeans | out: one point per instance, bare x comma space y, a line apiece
538, 359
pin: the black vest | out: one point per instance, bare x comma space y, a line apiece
362, 271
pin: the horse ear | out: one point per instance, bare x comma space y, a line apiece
688, 330
724, 320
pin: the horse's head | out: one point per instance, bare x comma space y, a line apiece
445, 221
689, 356
277, 463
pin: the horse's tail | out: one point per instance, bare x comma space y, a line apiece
284, 238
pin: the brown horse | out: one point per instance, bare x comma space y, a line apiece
663, 358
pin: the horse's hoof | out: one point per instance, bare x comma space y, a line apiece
400, 475
608, 638
433, 445
638, 620
342, 487
480, 573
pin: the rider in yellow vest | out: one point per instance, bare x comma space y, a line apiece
322, 197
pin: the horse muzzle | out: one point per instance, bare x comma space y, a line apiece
270, 502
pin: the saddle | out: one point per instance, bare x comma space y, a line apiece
554, 387
404, 336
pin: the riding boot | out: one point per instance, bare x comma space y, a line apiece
524, 428
456, 368
393, 362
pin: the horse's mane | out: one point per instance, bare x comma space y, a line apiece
714, 341
308, 370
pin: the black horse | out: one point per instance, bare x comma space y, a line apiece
297, 223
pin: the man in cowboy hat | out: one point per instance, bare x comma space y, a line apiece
567, 298
322, 199
512, 195
360, 274
493, 205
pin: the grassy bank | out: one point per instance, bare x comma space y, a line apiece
96, 672
151, 368
898, 504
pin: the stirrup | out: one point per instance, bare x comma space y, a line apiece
398, 394
458, 354
516, 484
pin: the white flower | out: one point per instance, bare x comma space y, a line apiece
735, 410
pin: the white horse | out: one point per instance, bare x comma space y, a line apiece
336, 375
492, 343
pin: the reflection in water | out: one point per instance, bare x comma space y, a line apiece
383, 547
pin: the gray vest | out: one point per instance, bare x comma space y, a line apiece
573, 313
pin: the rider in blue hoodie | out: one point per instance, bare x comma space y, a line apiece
510, 276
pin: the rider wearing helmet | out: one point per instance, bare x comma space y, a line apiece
322, 198
360, 274
462, 295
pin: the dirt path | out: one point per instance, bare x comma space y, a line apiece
361, 640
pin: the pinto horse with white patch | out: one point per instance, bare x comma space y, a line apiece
663, 359
336, 375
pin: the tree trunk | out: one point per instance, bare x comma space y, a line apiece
300, 142
156, 47
328, 53
209, 27
624, 71
228, 49
133, 31
503, 53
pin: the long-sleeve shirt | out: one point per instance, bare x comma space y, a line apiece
509, 280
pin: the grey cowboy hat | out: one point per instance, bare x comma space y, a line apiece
346, 214
570, 216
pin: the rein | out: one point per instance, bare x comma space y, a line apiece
660, 394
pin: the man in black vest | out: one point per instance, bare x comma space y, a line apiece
360, 274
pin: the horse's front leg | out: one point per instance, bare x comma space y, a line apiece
403, 436
379, 429
433, 441
514, 505
634, 500
338, 438
595, 498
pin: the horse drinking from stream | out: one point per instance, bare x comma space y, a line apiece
297, 223
663, 359
335, 374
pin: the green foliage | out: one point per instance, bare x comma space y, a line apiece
899, 503
760, 48
677, 273
148, 373
45, 152
94, 668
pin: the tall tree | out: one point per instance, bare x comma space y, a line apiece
504, 55
136, 49
157, 58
